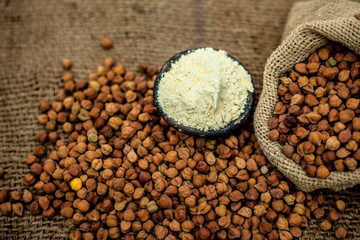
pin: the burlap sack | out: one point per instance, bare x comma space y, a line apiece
310, 25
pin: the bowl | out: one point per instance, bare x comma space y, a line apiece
231, 127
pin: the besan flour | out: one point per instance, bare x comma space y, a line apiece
205, 89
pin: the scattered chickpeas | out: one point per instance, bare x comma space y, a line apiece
106, 43
340, 233
76, 184
340, 205
124, 172
66, 63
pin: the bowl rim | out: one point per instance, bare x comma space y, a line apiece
233, 125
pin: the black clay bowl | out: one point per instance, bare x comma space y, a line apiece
231, 127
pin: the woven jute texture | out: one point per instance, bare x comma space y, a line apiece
36, 35
310, 26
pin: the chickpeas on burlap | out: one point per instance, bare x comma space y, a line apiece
310, 25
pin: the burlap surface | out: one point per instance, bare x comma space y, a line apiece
310, 26
36, 35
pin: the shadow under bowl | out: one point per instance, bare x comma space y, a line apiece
231, 127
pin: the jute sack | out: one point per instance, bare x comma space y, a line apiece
310, 25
